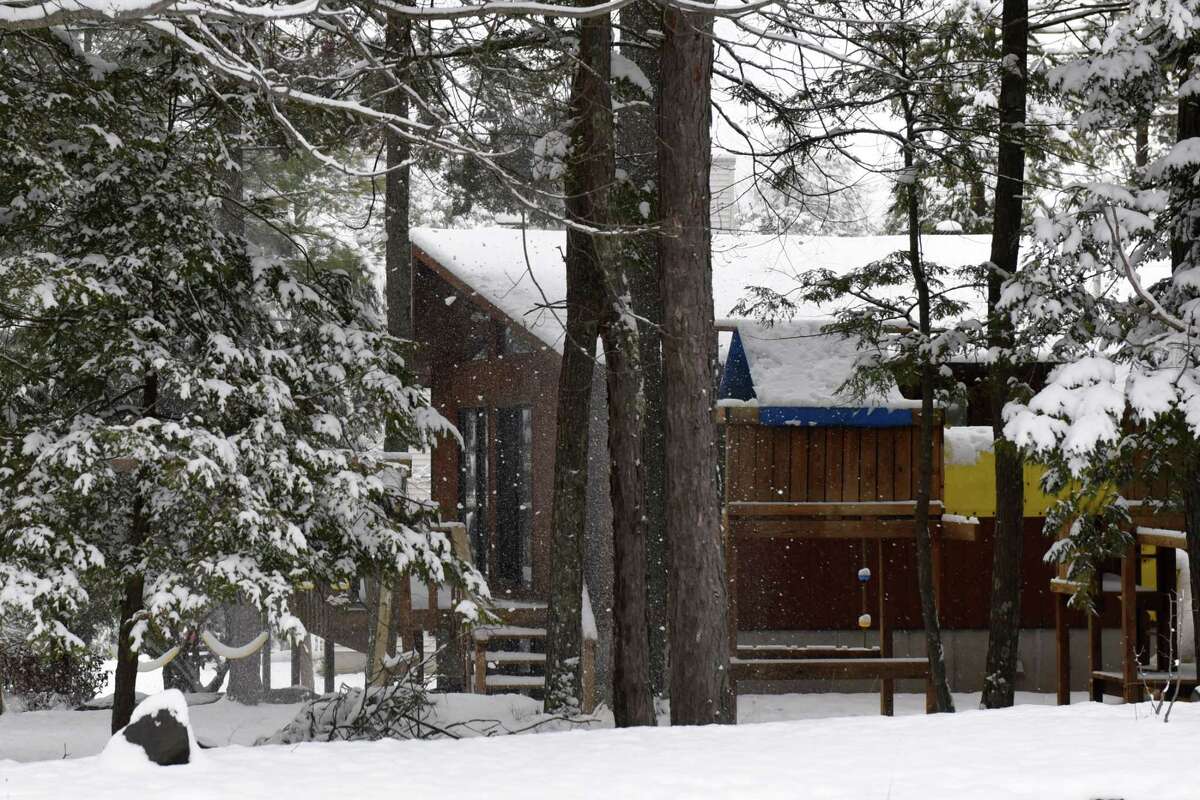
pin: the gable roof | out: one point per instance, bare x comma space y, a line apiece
791, 365
521, 272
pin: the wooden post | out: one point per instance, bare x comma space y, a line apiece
266, 659
481, 646
295, 660
730, 581
1095, 646
1062, 642
1166, 637
887, 686
1129, 564
935, 541
330, 666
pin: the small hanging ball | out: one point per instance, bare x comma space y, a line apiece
864, 575
864, 621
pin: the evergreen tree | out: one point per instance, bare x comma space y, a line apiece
182, 420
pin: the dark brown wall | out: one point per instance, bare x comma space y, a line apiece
797, 584
527, 379
806, 584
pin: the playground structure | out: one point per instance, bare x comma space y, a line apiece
799, 470
1146, 586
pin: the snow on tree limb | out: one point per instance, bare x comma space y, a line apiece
226, 651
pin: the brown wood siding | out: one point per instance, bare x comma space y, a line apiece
498, 381
824, 464
798, 584
812, 585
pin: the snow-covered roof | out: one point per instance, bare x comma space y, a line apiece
795, 365
522, 272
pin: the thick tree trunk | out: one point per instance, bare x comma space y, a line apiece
1004, 623
244, 623
398, 293
398, 255
1183, 248
632, 703
125, 685
925, 567
132, 600
587, 182
700, 688
637, 143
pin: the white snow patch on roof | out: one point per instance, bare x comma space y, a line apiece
794, 364
522, 272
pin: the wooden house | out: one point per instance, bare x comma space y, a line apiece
488, 321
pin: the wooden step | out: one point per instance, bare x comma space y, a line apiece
514, 657
514, 682
485, 632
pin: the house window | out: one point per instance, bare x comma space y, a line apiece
472, 481
512, 342
514, 496
478, 342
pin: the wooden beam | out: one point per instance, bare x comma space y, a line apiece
959, 531
804, 651
1162, 537
735, 415
1146, 517
874, 510
801, 528
785, 669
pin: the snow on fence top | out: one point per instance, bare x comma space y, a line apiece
522, 272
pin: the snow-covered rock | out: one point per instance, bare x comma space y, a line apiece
158, 732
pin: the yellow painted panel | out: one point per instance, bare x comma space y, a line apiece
971, 488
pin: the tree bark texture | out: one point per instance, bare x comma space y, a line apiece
1183, 248
125, 684
132, 599
637, 154
1004, 621
588, 178
383, 626
398, 255
632, 703
700, 688
925, 566
244, 622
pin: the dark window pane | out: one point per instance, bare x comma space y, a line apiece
514, 507
472, 481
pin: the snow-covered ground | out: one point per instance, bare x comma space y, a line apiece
1086, 750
